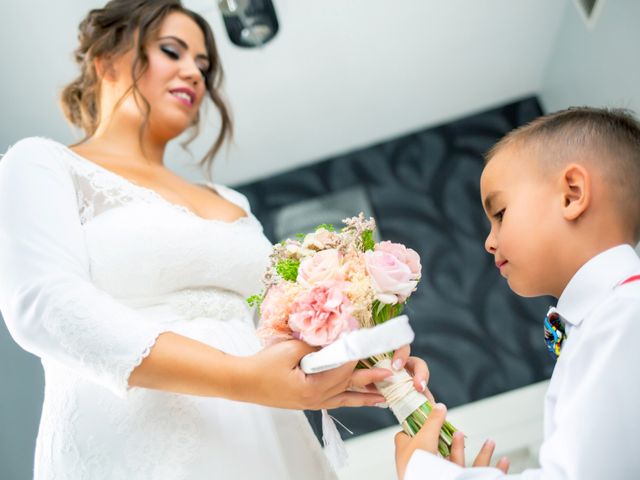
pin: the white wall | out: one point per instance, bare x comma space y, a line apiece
339, 75
598, 66
38, 39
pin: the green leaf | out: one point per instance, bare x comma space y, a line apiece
255, 300
288, 269
367, 240
326, 226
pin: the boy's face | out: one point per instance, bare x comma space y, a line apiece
519, 203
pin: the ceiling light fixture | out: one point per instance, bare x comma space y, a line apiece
249, 23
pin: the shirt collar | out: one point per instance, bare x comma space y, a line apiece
595, 280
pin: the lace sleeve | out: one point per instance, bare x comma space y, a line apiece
51, 307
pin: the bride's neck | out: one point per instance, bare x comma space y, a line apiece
119, 140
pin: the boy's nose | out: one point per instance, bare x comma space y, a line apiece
490, 243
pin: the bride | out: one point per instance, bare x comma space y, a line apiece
119, 274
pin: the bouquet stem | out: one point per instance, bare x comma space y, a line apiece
411, 407
415, 421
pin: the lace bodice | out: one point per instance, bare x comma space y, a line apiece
94, 268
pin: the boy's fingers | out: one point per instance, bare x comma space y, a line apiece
427, 437
484, 456
401, 440
503, 464
457, 449
403, 452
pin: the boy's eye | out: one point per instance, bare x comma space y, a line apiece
170, 51
498, 216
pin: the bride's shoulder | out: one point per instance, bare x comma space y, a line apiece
34, 152
232, 195
33, 148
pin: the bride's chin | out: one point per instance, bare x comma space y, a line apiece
169, 128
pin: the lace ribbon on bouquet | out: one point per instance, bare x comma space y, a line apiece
334, 447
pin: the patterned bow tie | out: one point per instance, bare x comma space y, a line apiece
554, 333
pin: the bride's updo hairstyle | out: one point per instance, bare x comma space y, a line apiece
114, 30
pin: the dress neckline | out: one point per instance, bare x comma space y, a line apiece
216, 188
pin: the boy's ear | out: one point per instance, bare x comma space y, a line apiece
576, 191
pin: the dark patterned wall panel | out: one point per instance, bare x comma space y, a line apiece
478, 338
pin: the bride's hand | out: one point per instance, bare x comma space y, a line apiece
416, 367
277, 380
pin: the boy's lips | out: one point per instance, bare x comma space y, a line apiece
501, 263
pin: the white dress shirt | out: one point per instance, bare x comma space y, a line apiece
592, 406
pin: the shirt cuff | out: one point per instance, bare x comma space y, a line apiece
424, 465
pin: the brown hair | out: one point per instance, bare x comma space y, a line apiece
113, 30
607, 138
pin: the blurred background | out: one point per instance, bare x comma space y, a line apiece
376, 106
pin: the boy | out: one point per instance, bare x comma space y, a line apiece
563, 197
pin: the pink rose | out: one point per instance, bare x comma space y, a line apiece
406, 255
392, 280
320, 267
320, 315
274, 314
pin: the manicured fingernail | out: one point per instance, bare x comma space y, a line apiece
488, 443
423, 385
440, 407
381, 405
397, 365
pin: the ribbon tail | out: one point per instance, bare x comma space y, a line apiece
334, 447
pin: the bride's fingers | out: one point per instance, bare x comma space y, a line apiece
371, 388
352, 399
420, 371
333, 382
400, 357
457, 449
364, 378
426, 392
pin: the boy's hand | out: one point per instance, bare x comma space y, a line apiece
427, 439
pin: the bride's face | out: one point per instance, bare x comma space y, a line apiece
174, 81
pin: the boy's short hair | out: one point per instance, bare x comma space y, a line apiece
608, 138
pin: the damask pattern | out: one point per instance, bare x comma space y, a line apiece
478, 337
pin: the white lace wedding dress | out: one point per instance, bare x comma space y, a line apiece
93, 268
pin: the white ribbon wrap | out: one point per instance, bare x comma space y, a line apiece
360, 344
398, 390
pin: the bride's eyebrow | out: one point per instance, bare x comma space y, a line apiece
183, 44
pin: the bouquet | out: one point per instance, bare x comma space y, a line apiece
325, 284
